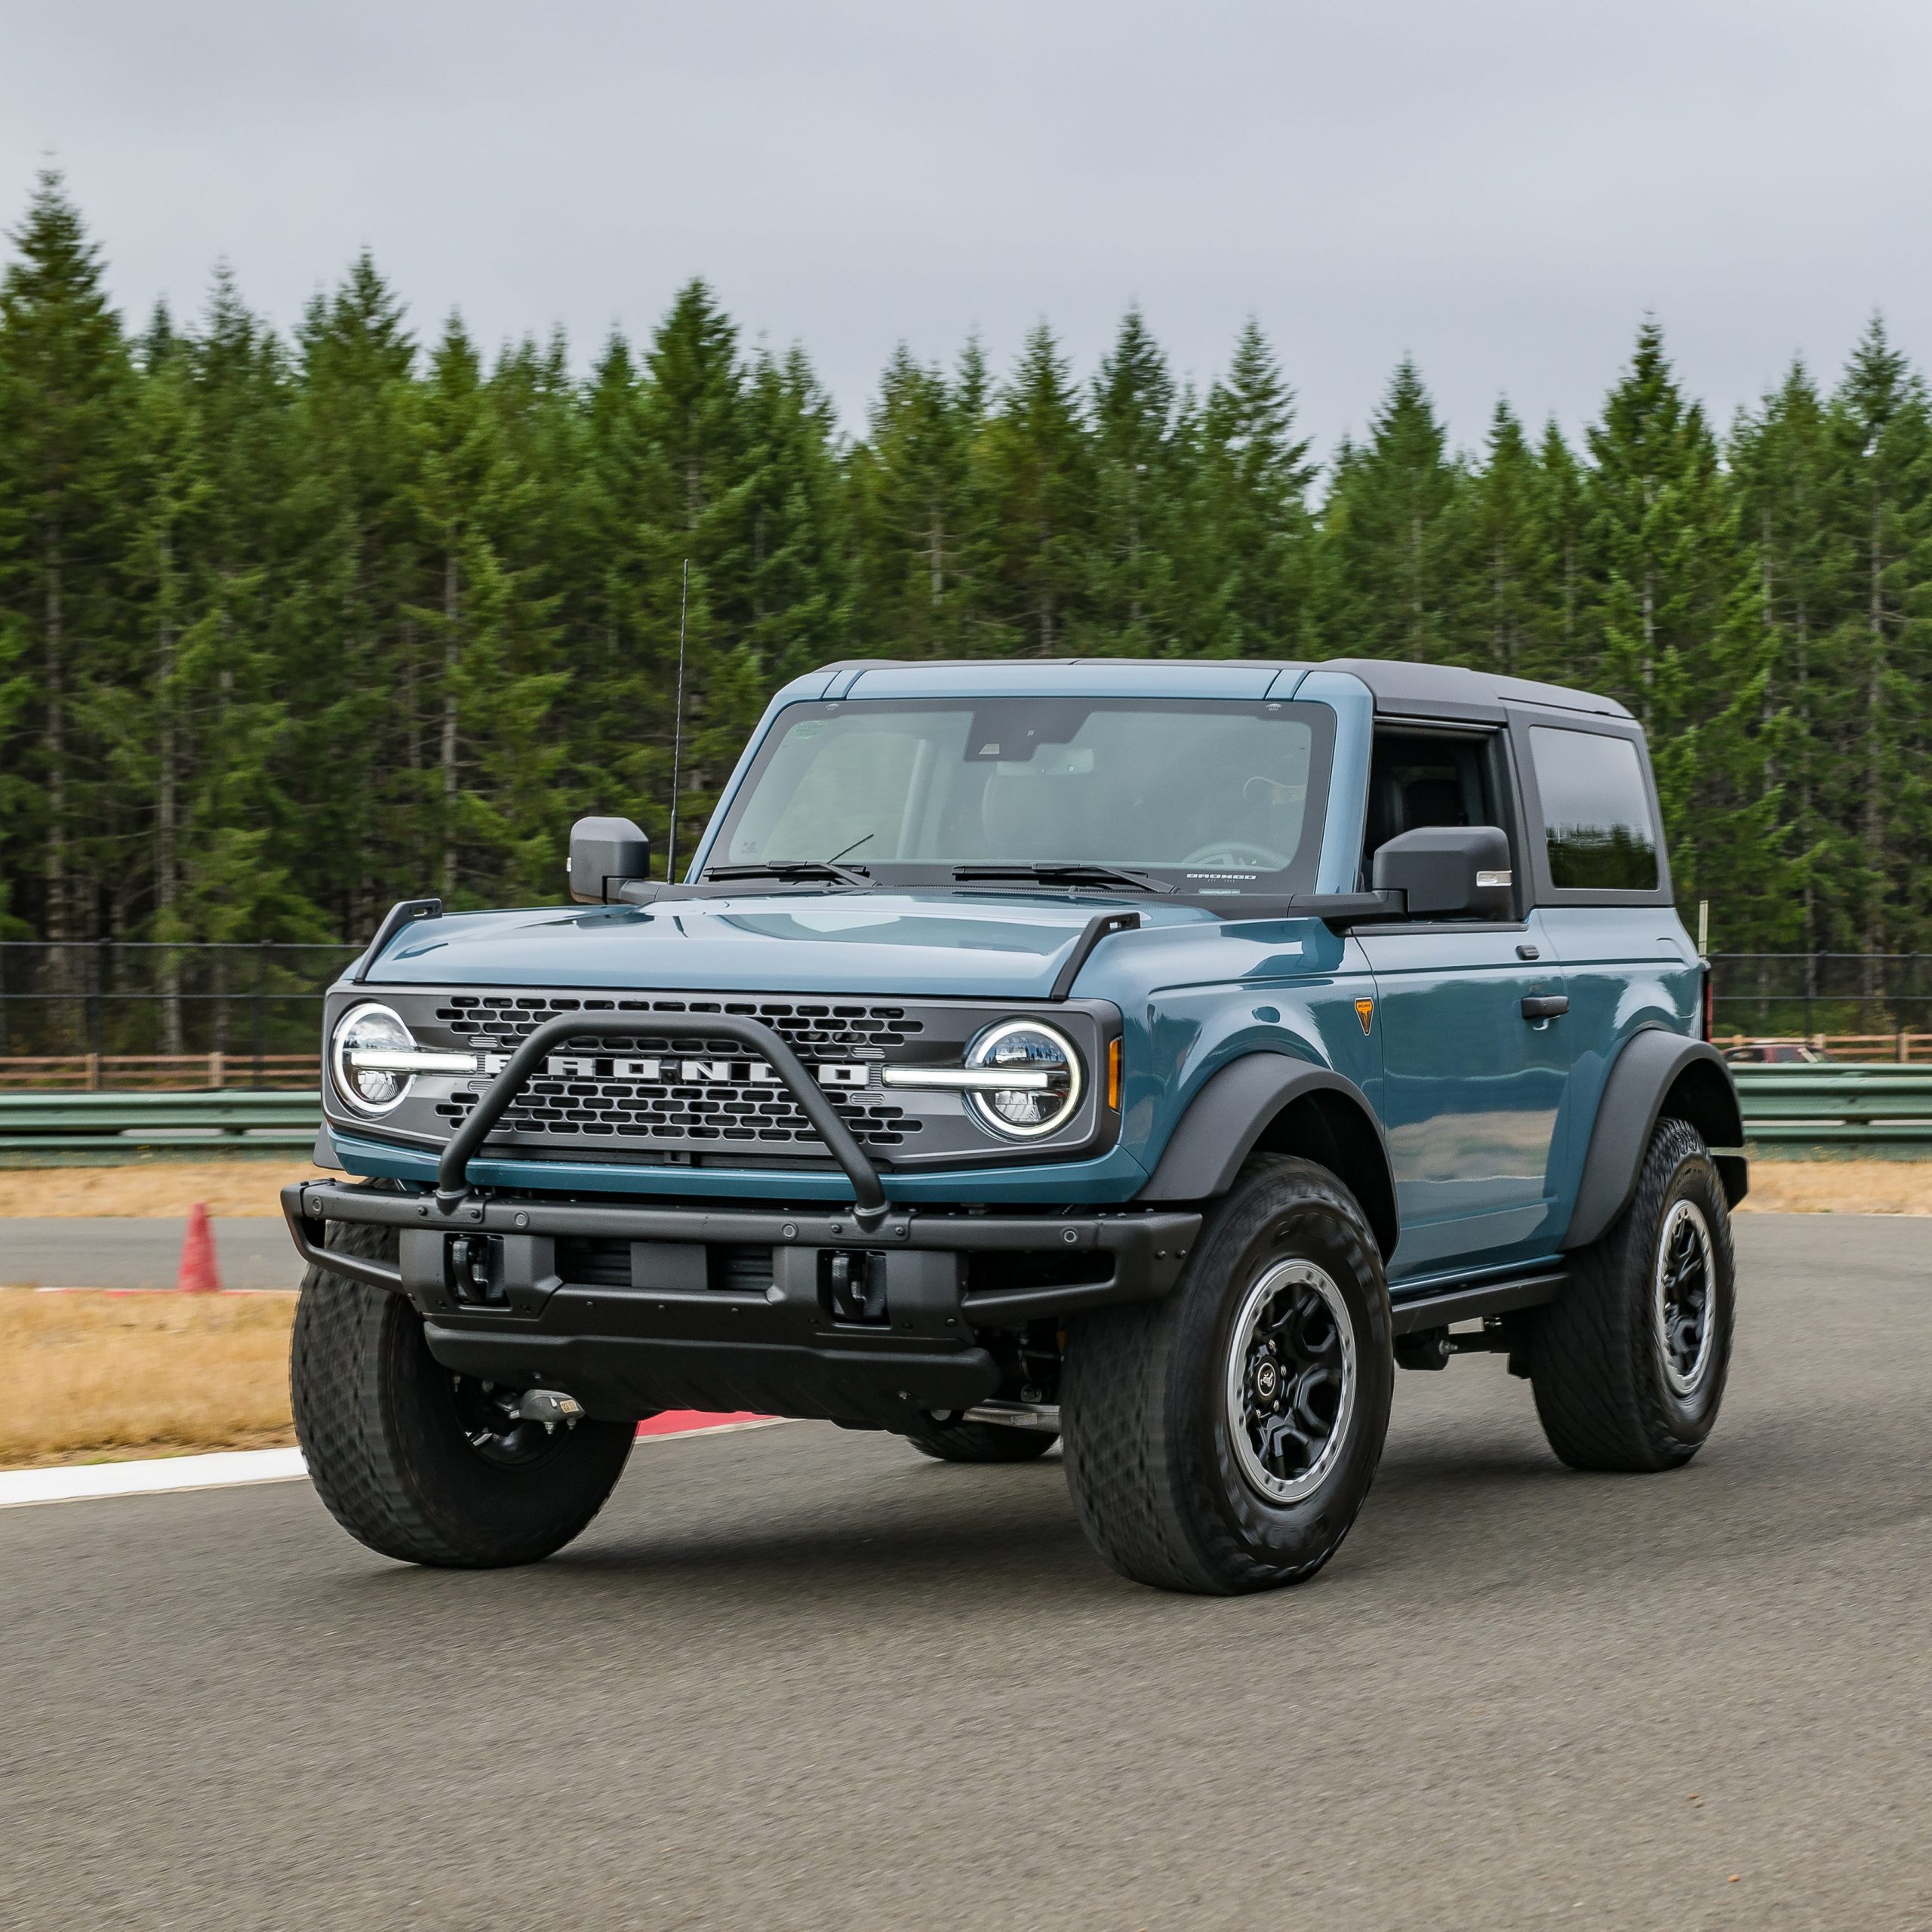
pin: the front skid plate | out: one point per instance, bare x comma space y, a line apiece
622, 1375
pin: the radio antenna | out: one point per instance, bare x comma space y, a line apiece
678, 727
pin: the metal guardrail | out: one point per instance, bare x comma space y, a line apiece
1823, 1105
87, 1122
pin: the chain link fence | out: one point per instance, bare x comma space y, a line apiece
1846, 1006
108, 1014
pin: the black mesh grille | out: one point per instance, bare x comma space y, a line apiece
605, 1106
811, 1028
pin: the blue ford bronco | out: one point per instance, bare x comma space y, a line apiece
1151, 1056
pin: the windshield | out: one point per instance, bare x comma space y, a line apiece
1204, 797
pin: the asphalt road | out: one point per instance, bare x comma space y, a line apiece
116, 1252
794, 1678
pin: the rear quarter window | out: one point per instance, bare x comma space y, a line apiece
1598, 830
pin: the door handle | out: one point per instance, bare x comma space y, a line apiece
1546, 1006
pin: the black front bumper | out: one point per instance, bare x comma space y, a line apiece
735, 1308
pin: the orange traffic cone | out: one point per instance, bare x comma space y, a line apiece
199, 1274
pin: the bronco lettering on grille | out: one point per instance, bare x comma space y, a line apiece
685, 1072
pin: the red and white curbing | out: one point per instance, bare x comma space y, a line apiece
229, 1468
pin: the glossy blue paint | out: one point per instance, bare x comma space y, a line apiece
1487, 1116
1116, 1177
1471, 1091
1625, 968
980, 944
1349, 698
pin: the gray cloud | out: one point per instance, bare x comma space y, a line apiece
1502, 189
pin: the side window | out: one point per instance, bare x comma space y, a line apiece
1415, 779
1596, 811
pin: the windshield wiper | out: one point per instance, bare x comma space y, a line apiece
794, 869
1064, 873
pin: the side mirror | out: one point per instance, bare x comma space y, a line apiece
1448, 872
605, 852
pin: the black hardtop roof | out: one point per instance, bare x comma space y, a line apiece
1453, 690
1400, 689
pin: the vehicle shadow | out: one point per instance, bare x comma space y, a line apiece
1468, 1499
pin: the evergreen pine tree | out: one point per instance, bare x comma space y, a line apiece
496, 760
359, 570
65, 385
1132, 594
1507, 566
695, 505
1561, 512
1248, 566
1680, 638
1035, 465
800, 584
1783, 463
1881, 431
1392, 533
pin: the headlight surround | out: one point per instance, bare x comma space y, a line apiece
1026, 1113
369, 1028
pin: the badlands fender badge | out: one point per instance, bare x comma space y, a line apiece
1364, 1012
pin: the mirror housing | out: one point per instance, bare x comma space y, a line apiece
605, 853
1449, 872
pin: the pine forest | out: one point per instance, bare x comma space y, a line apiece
293, 627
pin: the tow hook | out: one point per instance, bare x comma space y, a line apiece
549, 1407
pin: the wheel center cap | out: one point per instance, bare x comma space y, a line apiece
1265, 1381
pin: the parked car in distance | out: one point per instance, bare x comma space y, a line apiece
1150, 1056
1774, 1053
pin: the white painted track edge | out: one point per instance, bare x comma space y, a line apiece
224, 1468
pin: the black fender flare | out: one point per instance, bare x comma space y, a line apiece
1654, 1068
1232, 1113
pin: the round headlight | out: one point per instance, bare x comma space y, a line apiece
367, 1029
1023, 1112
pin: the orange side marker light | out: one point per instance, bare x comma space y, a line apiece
1113, 1075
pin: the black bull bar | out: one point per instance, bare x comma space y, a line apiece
676, 1337
453, 1171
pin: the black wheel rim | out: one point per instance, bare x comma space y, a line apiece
1685, 1296
487, 1415
1290, 1385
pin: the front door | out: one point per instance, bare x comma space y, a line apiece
1472, 1079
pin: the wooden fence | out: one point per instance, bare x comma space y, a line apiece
178, 1073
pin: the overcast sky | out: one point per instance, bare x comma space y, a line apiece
1500, 188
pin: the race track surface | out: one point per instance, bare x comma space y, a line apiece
113, 1252
794, 1677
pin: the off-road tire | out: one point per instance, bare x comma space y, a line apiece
980, 1442
1597, 1357
377, 1418
1150, 1462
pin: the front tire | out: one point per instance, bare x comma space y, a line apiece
417, 1462
1224, 1438
1628, 1364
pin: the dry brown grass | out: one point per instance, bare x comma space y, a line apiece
1840, 1187
157, 1189
91, 1376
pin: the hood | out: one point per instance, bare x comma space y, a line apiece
939, 944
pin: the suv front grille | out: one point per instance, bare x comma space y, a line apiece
810, 1028
601, 1106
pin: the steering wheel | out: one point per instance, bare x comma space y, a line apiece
1236, 853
